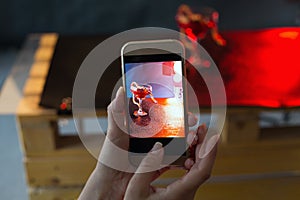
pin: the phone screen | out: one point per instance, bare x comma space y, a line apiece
155, 98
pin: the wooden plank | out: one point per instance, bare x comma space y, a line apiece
40, 137
55, 193
12, 90
48, 39
231, 160
39, 69
72, 146
37, 135
60, 171
34, 86
262, 160
239, 162
29, 107
44, 53
251, 160
260, 189
242, 127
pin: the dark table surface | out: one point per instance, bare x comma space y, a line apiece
259, 68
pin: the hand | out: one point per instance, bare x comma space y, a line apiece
139, 187
109, 183
106, 182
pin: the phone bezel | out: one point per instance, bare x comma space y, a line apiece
141, 50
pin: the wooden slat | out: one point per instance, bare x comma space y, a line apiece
55, 193
44, 53
39, 69
48, 39
37, 135
29, 106
242, 127
252, 160
257, 160
260, 189
40, 138
60, 171
34, 86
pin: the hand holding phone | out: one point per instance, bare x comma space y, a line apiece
140, 186
105, 177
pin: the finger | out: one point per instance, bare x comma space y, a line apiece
192, 119
117, 104
198, 174
201, 133
203, 168
208, 144
116, 116
192, 138
116, 131
188, 164
111, 154
141, 180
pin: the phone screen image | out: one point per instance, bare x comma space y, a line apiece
155, 96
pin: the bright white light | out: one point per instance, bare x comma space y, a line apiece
174, 111
178, 67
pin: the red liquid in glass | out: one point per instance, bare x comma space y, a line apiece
140, 93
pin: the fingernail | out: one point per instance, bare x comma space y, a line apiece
116, 106
190, 138
189, 163
119, 91
192, 119
157, 146
211, 143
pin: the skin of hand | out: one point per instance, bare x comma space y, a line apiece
108, 183
139, 187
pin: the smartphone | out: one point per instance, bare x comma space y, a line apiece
155, 98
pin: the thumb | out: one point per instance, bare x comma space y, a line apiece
115, 113
147, 171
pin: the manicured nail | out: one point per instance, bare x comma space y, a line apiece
190, 162
119, 91
192, 119
210, 144
190, 138
157, 146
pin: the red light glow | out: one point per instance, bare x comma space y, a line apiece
259, 68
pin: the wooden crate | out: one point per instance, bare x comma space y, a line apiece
53, 163
57, 167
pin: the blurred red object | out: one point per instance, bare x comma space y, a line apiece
259, 68
195, 27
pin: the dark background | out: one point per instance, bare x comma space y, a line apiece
20, 17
